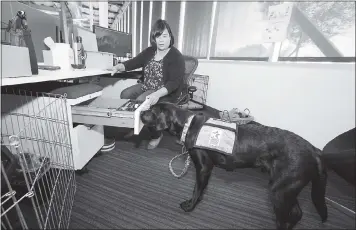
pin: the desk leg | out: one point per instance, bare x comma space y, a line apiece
86, 143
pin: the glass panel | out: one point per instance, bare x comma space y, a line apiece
138, 26
146, 28
197, 28
238, 30
156, 11
172, 18
335, 20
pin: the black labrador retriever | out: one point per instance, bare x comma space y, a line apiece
291, 161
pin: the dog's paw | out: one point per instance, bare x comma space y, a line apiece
187, 206
137, 143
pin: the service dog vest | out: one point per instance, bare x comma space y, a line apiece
215, 134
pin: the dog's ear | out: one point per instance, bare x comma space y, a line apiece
163, 120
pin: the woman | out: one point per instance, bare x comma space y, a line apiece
163, 72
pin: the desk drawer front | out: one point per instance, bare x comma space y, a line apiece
103, 112
125, 122
100, 112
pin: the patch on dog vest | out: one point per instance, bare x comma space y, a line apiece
217, 135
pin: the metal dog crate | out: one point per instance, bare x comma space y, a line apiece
37, 173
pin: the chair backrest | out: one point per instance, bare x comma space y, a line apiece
191, 64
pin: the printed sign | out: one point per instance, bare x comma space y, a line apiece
215, 137
279, 17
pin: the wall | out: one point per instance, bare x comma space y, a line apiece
42, 25
314, 100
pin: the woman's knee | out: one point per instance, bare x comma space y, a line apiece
142, 97
131, 92
126, 94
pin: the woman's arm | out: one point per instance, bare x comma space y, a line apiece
161, 92
175, 78
175, 74
138, 61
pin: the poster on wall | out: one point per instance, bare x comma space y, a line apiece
278, 21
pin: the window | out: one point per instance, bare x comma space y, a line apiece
128, 20
238, 31
156, 11
336, 23
172, 18
197, 28
146, 28
138, 27
323, 31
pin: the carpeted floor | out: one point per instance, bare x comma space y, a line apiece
133, 188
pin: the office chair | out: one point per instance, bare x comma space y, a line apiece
191, 64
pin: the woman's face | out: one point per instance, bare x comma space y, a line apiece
163, 41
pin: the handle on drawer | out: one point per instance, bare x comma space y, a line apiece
89, 126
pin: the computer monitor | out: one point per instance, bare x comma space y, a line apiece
112, 41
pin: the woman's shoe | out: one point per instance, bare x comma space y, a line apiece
152, 144
109, 145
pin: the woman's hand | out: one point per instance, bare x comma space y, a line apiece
152, 98
155, 96
118, 68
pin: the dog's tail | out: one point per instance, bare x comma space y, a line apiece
319, 188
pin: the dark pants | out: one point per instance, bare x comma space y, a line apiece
135, 92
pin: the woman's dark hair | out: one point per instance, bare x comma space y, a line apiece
157, 29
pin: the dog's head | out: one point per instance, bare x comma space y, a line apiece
163, 116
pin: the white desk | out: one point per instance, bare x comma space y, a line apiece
85, 142
53, 75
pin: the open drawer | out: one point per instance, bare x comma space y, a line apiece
109, 112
